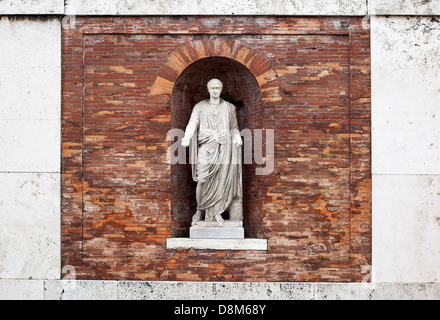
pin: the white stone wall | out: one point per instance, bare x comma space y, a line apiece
404, 7
30, 104
405, 43
238, 7
406, 148
170, 290
31, 7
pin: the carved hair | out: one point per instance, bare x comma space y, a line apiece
215, 80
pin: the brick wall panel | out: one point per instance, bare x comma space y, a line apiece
125, 85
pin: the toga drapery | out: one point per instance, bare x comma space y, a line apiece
215, 160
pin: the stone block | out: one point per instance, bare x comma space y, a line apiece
237, 7
212, 230
81, 290
30, 145
14, 289
405, 91
32, 7
343, 291
406, 228
30, 252
403, 7
198, 290
216, 244
30, 199
173, 290
216, 232
226, 223
30, 42
30, 93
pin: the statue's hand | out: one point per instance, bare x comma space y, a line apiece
237, 141
185, 142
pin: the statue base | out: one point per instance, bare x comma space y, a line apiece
216, 244
214, 230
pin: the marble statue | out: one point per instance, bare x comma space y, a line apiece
215, 143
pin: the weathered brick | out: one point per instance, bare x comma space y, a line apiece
128, 80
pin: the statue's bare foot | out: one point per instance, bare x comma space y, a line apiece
197, 216
219, 219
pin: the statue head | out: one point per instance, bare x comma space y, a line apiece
215, 87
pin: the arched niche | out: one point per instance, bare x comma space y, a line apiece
190, 87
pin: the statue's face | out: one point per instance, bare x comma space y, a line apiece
215, 89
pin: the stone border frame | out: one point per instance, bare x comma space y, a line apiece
73, 90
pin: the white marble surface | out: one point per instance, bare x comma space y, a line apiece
30, 42
406, 228
13, 289
31, 226
81, 290
216, 244
30, 70
30, 93
405, 95
403, 7
279, 7
195, 7
31, 7
30, 199
30, 145
216, 232
405, 148
30, 138
173, 290
30, 252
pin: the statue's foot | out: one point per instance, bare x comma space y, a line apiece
197, 216
219, 219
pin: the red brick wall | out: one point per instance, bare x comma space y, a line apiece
128, 80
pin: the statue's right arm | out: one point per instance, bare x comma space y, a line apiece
189, 132
192, 126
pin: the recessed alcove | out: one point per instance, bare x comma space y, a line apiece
241, 87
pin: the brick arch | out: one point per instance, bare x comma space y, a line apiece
256, 61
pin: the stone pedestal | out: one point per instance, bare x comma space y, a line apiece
214, 230
216, 244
